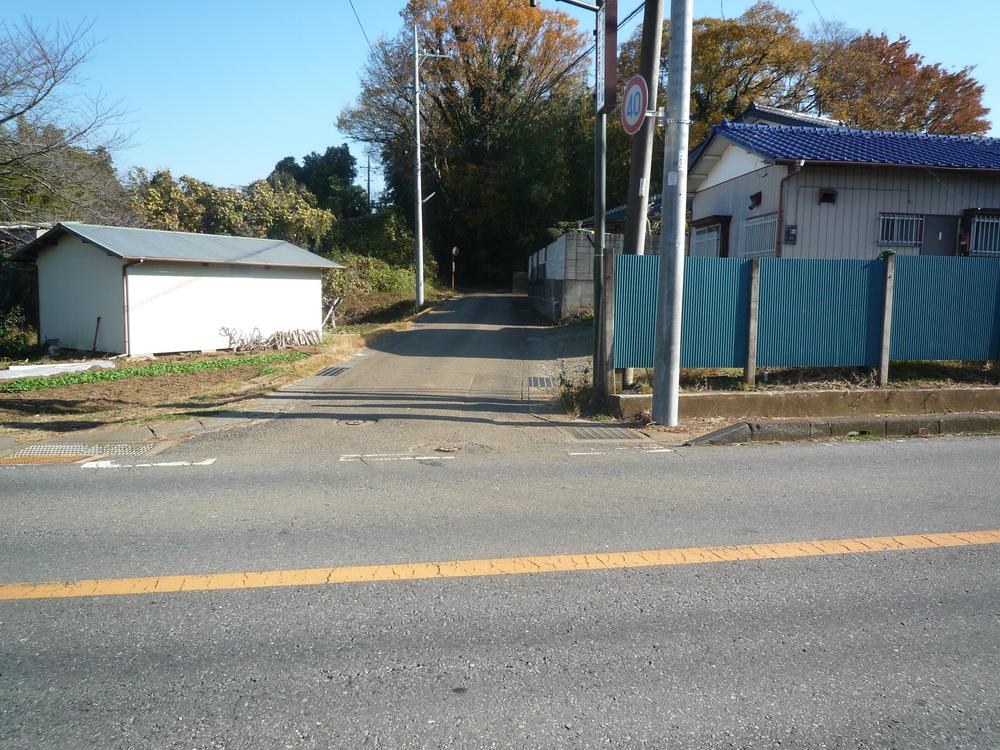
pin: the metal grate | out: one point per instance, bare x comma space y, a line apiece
604, 433
760, 236
542, 383
900, 230
986, 236
331, 372
84, 449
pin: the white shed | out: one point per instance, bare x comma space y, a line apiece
147, 291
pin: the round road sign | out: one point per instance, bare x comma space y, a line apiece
635, 102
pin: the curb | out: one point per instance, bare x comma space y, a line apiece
789, 430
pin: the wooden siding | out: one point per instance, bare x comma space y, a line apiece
849, 228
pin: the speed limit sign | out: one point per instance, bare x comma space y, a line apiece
635, 101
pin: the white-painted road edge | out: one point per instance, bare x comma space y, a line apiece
166, 464
355, 457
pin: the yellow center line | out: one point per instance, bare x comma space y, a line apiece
503, 566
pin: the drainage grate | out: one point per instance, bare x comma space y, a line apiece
545, 384
331, 372
84, 449
604, 433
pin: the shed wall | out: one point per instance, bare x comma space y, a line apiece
77, 282
849, 228
732, 198
177, 307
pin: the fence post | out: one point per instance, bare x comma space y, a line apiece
890, 282
750, 368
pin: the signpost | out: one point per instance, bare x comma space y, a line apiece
454, 254
635, 102
606, 56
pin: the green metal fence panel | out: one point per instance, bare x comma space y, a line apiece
716, 301
946, 308
635, 309
716, 306
820, 313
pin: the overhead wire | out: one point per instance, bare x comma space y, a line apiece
361, 26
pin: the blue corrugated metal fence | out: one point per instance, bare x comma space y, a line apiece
821, 313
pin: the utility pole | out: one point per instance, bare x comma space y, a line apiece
368, 153
666, 386
642, 143
605, 81
418, 200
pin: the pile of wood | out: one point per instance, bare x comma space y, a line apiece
255, 341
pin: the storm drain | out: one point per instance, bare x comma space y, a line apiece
332, 372
84, 449
545, 384
604, 433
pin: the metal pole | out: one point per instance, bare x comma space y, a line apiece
642, 144
600, 156
666, 386
418, 219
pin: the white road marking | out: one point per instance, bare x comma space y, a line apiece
355, 457
166, 464
622, 449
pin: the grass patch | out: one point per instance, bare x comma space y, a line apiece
23, 385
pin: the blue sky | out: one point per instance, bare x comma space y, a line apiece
221, 90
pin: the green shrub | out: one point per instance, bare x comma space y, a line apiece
17, 339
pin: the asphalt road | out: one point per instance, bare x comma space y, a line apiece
884, 649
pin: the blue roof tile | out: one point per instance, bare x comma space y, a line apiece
850, 146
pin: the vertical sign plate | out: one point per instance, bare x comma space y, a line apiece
606, 56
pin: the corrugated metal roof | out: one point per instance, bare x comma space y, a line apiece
786, 142
185, 247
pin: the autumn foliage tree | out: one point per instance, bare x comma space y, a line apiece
501, 119
875, 83
864, 80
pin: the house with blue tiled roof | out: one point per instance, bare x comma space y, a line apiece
802, 191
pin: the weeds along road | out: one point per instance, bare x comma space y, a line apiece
863, 648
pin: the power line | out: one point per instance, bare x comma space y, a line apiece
361, 26
559, 76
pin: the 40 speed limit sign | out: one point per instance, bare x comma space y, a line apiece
635, 102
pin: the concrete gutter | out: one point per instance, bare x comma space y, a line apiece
785, 430
809, 404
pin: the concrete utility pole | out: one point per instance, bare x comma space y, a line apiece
418, 199
642, 143
666, 385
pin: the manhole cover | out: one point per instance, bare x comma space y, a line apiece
52, 459
545, 384
332, 372
603, 433
448, 449
84, 449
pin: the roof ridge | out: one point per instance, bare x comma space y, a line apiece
172, 231
726, 124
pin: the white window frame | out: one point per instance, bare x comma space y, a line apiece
900, 230
702, 238
759, 236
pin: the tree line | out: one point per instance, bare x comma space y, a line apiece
507, 123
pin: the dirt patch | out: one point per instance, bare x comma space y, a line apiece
86, 406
